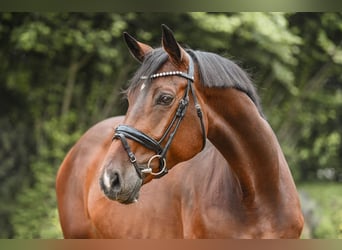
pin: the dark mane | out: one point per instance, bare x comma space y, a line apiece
219, 72
214, 71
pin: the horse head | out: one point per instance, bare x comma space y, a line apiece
164, 123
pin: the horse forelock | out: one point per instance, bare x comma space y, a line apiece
214, 72
151, 64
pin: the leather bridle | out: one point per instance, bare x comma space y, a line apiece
124, 132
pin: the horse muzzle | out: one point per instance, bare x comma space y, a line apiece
117, 188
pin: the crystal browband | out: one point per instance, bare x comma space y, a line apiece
169, 73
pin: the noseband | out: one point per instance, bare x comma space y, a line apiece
123, 132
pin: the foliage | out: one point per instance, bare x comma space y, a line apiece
62, 72
38, 201
311, 131
328, 209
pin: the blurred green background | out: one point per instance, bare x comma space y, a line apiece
63, 72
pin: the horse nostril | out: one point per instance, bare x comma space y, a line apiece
115, 182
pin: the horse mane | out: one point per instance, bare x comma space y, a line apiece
214, 70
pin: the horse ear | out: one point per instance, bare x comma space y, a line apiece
137, 49
171, 46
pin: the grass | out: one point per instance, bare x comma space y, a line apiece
323, 206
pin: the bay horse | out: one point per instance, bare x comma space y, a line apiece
198, 111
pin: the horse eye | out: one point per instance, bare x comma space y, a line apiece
165, 100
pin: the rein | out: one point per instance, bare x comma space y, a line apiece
124, 132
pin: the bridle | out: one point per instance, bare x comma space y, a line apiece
124, 132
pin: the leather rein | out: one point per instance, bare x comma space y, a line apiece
124, 132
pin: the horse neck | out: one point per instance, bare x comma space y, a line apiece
246, 141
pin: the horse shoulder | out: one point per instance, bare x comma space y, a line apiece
73, 178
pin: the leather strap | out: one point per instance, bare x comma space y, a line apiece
123, 131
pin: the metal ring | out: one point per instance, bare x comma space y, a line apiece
149, 169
